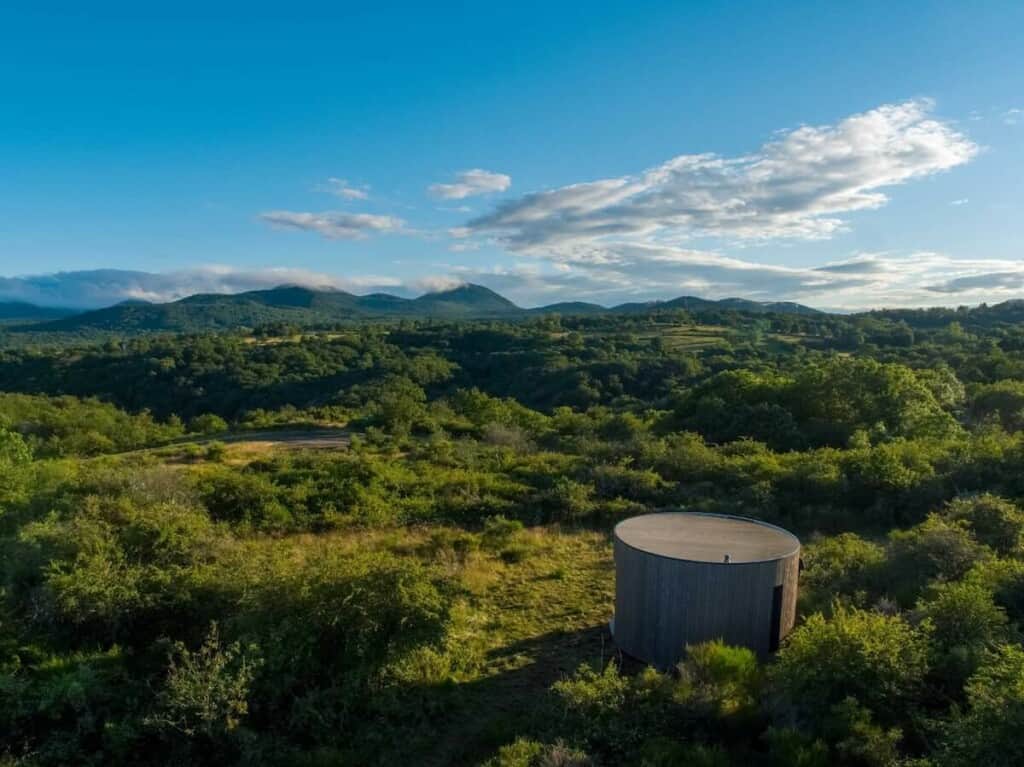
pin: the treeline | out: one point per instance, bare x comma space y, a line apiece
632, 363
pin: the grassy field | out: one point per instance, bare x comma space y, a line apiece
528, 613
533, 621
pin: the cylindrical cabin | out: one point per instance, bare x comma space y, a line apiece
683, 578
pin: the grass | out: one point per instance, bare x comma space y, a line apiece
530, 611
524, 624
536, 621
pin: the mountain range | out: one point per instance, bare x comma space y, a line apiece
307, 306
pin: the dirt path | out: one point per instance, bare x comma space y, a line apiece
265, 439
297, 438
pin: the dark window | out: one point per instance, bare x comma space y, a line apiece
773, 639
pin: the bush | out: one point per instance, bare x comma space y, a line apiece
992, 520
612, 714
965, 624
843, 564
724, 680
207, 423
568, 499
244, 498
119, 569
499, 532
531, 753
206, 692
935, 549
989, 732
878, 660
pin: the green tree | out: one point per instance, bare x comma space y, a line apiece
878, 660
965, 624
935, 549
992, 520
989, 731
207, 423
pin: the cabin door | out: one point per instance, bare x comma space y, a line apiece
773, 638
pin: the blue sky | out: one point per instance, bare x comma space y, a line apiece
843, 155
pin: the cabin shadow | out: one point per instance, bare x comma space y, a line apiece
509, 702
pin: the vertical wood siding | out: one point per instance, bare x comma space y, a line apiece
663, 604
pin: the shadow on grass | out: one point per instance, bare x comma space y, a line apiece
514, 699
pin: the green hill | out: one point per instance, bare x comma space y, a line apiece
308, 307
20, 311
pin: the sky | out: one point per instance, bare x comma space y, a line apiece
844, 155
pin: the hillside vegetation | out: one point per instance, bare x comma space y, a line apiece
433, 587
309, 307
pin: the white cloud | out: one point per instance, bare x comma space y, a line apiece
795, 186
638, 273
961, 201
339, 187
470, 183
436, 284
103, 287
863, 281
1013, 116
335, 225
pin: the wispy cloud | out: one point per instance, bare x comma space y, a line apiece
796, 186
863, 281
103, 287
335, 225
1013, 116
470, 183
961, 201
339, 187
639, 273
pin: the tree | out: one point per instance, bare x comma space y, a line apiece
13, 450
992, 520
878, 660
989, 732
14, 456
843, 564
965, 624
935, 549
207, 423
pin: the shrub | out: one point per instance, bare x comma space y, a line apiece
989, 732
244, 498
207, 423
206, 691
531, 753
611, 714
935, 549
965, 624
727, 680
992, 520
878, 660
842, 564
568, 499
499, 532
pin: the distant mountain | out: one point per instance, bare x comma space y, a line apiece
694, 304
765, 307
570, 308
465, 300
215, 311
20, 311
305, 306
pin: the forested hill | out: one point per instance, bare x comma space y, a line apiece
20, 311
308, 307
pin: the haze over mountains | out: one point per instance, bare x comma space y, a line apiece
307, 306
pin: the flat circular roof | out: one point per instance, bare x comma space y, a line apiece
706, 537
